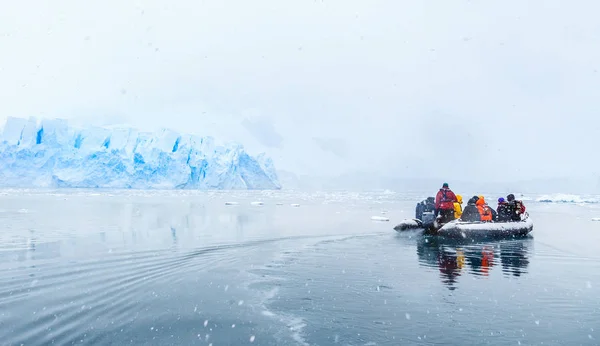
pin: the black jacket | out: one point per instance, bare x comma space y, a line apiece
470, 213
503, 213
494, 215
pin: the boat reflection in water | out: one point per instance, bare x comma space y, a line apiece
454, 259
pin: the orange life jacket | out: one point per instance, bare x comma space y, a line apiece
484, 210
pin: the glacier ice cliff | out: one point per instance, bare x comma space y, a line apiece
50, 153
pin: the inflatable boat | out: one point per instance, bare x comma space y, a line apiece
469, 230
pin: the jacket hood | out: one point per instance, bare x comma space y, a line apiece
480, 201
459, 199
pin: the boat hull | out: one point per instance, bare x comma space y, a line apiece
409, 224
469, 230
426, 223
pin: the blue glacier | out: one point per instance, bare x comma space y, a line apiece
51, 153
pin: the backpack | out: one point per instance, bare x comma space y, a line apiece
444, 197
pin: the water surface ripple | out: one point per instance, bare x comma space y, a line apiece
160, 268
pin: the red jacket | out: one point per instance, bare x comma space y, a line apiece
521, 206
445, 199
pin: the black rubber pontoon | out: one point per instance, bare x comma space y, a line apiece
416, 224
469, 230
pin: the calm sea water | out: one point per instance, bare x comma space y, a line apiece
184, 268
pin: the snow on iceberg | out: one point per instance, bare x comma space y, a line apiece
566, 198
50, 153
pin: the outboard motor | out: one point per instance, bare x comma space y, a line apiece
428, 219
424, 216
419, 211
425, 206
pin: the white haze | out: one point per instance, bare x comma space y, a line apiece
472, 91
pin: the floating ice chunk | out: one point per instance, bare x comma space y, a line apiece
567, 198
379, 218
256, 203
295, 205
231, 203
596, 219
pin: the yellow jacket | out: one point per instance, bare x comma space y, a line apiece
458, 207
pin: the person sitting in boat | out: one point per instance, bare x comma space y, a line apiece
492, 210
444, 204
516, 207
503, 211
427, 205
487, 213
471, 213
458, 207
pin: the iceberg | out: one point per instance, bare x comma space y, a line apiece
567, 198
50, 153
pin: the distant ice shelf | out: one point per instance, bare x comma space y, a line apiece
567, 198
50, 153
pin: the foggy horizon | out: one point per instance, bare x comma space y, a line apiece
500, 92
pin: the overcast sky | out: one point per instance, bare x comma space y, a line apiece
455, 89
